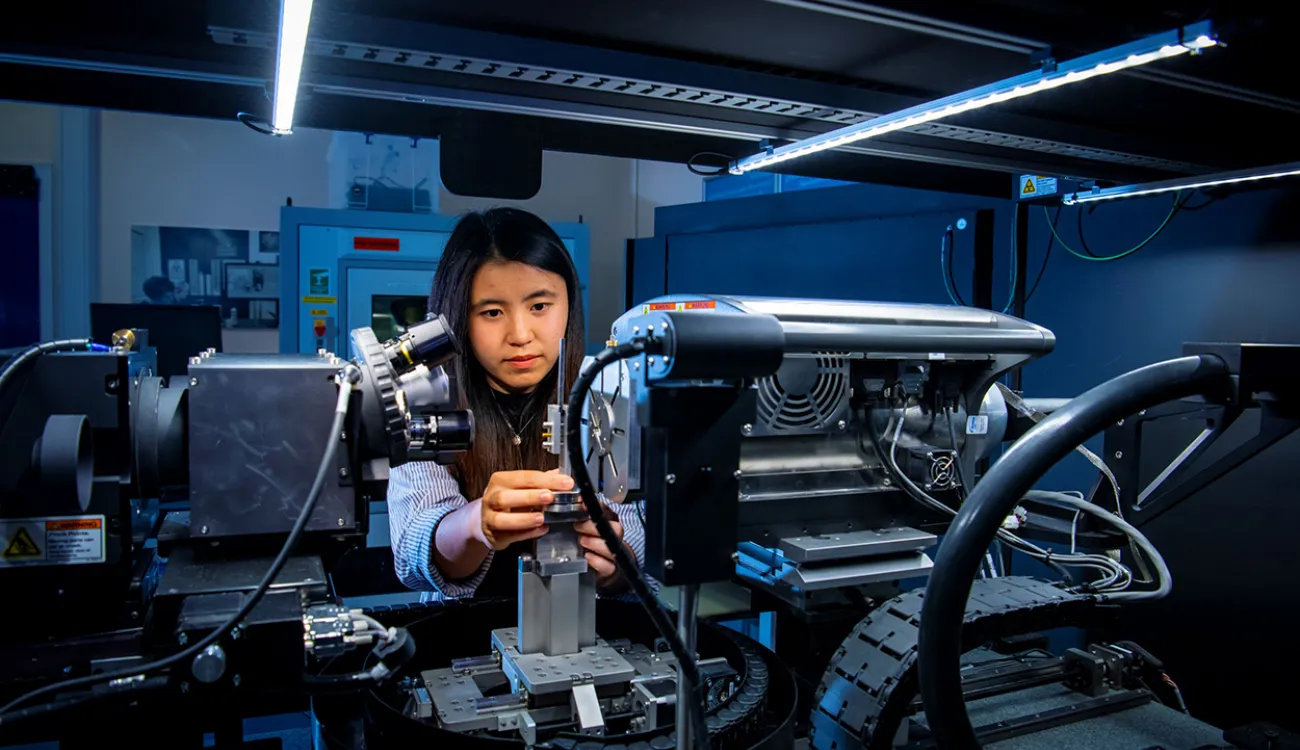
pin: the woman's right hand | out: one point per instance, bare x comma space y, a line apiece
512, 503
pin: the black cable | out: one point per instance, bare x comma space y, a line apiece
352, 375
100, 692
1047, 254
1078, 221
255, 123
980, 518
952, 280
714, 171
28, 355
952, 435
687, 668
1199, 206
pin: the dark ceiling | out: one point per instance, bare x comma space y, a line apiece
713, 75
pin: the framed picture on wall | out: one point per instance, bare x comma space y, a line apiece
237, 270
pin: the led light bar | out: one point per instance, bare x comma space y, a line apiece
295, 15
1192, 38
1291, 169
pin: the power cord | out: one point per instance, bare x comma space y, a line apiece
1047, 254
710, 171
946, 250
687, 668
30, 354
1173, 211
350, 376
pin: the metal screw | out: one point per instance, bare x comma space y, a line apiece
236, 632
737, 473
203, 530
185, 687
343, 436
195, 360
735, 557
340, 522
343, 473
651, 361
636, 329
887, 481
1142, 413
1119, 454
183, 639
194, 381
668, 564
235, 680
747, 429
636, 365
842, 425
671, 478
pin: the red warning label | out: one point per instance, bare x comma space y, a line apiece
383, 244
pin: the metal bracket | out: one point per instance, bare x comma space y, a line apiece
1182, 478
587, 708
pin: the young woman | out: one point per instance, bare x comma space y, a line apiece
508, 288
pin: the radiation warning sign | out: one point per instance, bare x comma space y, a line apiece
1037, 186
68, 540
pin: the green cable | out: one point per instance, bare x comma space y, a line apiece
1126, 253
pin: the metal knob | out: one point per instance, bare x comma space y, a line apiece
210, 665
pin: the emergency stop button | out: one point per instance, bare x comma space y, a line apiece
319, 327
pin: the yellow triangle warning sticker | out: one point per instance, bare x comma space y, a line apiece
1028, 189
21, 545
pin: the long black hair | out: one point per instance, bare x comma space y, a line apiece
499, 235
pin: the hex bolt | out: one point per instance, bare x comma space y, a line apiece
194, 381
747, 429
1119, 454
672, 478
343, 473
668, 564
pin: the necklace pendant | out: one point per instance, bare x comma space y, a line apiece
517, 440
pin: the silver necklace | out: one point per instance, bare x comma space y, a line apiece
514, 432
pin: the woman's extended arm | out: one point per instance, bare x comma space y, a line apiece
424, 502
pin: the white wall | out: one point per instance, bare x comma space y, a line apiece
616, 198
29, 133
157, 170
188, 172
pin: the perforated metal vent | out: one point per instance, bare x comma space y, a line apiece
808, 394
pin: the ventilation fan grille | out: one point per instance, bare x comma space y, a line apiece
783, 410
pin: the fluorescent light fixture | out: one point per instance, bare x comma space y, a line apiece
295, 15
1291, 169
1159, 47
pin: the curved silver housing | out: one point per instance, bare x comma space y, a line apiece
805, 438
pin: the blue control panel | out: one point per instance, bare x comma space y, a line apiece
343, 269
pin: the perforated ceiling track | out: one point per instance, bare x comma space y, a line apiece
500, 69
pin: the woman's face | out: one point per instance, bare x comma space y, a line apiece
517, 317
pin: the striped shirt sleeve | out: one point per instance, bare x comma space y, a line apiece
423, 493
419, 496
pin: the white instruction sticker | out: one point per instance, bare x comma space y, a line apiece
70, 540
977, 425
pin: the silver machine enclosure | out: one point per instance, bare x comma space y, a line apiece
817, 507
809, 398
